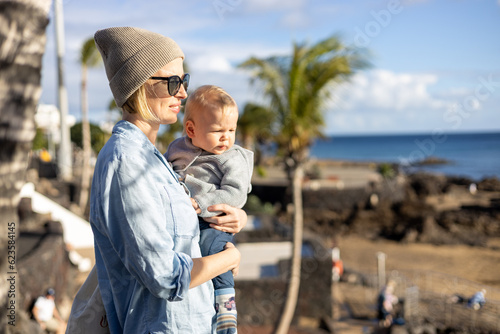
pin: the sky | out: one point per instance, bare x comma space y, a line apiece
435, 64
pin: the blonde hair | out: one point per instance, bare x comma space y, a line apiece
207, 97
138, 103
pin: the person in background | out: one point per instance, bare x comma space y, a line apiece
214, 170
337, 265
150, 271
478, 300
46, 314
385, 304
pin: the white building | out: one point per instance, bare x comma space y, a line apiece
48, 118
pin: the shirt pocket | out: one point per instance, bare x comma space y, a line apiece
185, 220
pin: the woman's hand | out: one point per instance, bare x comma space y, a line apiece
232, 221
195, 205
207, 267
236, 269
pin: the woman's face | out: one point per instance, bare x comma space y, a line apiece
163, 105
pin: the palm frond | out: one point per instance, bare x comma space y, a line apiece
268, 72
298, 87
89, 55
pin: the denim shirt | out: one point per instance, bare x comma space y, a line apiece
146, 234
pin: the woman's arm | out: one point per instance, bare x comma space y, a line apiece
207, 267
232, 221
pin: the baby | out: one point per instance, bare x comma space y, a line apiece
215, 171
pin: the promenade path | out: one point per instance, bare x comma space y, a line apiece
333, 174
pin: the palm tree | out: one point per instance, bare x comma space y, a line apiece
254, 128
22, 44
298, 87
89, 57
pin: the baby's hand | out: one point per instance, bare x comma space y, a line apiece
196, 207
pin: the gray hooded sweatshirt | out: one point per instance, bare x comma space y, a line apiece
211, 178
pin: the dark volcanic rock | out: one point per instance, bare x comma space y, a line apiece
425, 184
489, 184
406, 217
42, 262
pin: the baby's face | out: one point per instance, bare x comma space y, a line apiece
215, 131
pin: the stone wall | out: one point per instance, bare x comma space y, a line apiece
46, 265
260, 302
333, 199
42, 262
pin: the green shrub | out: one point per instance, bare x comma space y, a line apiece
386, 170
254, 205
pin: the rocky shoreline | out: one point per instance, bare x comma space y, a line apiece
434, 209
419, 207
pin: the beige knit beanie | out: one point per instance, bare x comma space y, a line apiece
131, 56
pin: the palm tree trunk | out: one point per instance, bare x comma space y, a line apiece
22, 44
85, 180
248, 142
294, 282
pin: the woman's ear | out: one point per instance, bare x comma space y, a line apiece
190, 129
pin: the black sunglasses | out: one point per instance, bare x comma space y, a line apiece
174, 83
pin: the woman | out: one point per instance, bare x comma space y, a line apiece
151, 274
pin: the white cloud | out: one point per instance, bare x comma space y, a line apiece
235, 82
293, 13
209, 62
380, 101
383, 89
234, 52
295, 19
273, 5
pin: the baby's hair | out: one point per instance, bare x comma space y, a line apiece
207, 97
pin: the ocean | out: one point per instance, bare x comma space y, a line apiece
472, 155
